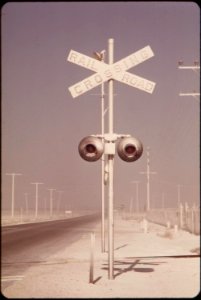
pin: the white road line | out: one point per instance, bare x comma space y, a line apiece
12, 278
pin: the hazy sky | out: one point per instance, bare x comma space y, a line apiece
42, 124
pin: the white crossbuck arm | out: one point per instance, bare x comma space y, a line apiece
105, 72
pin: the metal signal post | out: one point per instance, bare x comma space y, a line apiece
110, 167
101, 56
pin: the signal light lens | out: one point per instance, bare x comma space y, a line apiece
129, 149
91, 148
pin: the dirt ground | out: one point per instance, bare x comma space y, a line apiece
142, 266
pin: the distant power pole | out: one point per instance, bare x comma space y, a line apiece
36, 209
194, 67
26, 202
179, 194
45, 205
163, 200
137, 199
59, 200
148, 173
51, 201
13, 192
131, 205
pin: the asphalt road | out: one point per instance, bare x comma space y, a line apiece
27, 244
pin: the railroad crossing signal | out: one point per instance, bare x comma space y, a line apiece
109, 72
105, 72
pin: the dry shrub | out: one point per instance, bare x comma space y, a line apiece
167, 234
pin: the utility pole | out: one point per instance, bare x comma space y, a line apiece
179, 194
180, 206
193, 67
45, 205
59, 200
51, 201
131, 206
26, 203
163, 200
148, 173
13, 192
36, 209
137, 199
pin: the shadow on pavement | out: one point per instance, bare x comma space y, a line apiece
127, 266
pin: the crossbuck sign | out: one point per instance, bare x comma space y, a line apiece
105, 72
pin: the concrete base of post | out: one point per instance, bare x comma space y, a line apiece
168, 224
145, 225
91, 270
175, 229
